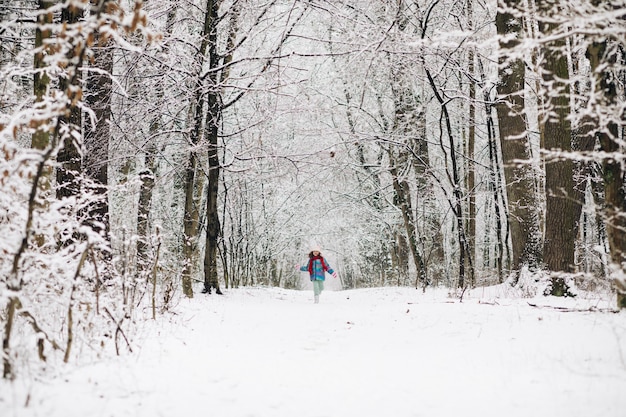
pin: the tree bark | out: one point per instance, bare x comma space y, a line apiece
98, 136
561, 222
41, 138
69, 156
471, 143
213, 118
191, 214
520, 184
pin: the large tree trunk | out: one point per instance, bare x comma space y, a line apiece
561, 222
192, 209
40, 141
520, 185
218, 73
213, 222
214, 115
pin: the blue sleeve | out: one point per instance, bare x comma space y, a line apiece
304, 268
328, 268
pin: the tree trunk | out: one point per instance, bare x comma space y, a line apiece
144, 205
7, 366
403, 201
98, 135
190, 217
471, 143
41, 137
69, 156
41, 84
561, 223
213, 118
520, 188
496, 184
406, 128
191, 214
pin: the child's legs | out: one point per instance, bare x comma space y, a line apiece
318, 287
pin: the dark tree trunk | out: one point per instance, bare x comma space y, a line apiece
520, 185
69, 157
192, 209
561, 222
97, 137
213, 222
213, 118
471, 143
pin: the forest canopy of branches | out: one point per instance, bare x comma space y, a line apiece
151, 149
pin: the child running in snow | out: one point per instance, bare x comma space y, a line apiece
317, 267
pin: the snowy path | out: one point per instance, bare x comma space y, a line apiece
379, 352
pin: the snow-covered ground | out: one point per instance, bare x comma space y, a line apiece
374, 352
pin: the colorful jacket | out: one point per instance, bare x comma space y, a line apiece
317, 269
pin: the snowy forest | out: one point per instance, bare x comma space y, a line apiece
152, 149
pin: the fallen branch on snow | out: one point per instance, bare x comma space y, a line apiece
591, 309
